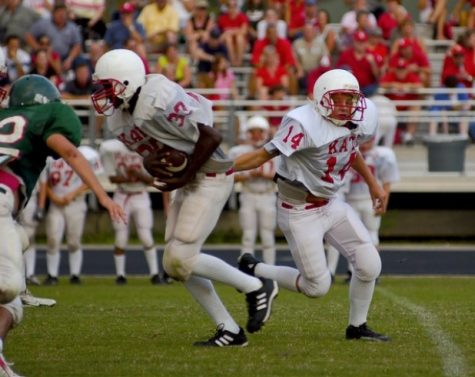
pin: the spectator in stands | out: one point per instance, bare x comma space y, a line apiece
206, 55
362, 24
81, 85
469, 43
271, 17
378, 47
54, 59
161, 23
42, 7
41, 66
434, 12
198, 27
365, 66
349, 22
324, 66
223, 77
89, 16
234, 25
276, 93
407, 30
308, 50
255, 11
417, 59
458, 103
174, 66
17, 60
326, 31
401, 82
298, 20
15, 19
454, 65
119, 31
389, 20
270, 73
464, 13
139, 49
64, 35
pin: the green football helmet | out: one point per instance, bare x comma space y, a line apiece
33, 90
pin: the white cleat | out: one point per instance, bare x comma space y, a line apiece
5, 370
28, 299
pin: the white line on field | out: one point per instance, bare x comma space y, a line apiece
452, 357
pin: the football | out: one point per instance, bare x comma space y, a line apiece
166, 159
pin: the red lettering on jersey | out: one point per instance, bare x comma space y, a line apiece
180, 112
295, 139
136, 135
332, 147
331, 162
343, 146
347, 166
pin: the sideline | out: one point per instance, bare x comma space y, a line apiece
453, 361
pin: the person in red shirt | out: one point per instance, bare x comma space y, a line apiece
270, 74
469, 40
454, 65
363, 65
401, 82
234, 25
300, 13
378, 47
390, 19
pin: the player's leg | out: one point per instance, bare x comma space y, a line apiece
11, 315
121, 230
141, 211
29, 255
333, 255
351, 237
75, 216
55, 224
248, 222
192, 217
267, 215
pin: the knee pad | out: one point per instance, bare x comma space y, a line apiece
315, 287
15, 308
367, 264
179, 259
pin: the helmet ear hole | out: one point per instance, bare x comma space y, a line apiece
126, 82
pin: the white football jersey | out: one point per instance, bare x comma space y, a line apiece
61, 177
166, 114
315, 152
117, 160
382, 163
256, 184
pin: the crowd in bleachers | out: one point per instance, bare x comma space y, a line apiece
254, 49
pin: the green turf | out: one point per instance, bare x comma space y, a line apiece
99, 329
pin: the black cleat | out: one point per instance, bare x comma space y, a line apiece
365, 333
51, 280
247, 263
75, 280
155, 279
121, 280
259, 304
166, 279
224, 338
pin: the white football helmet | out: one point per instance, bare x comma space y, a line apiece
119, 73
338, 81
3, 73
258, 122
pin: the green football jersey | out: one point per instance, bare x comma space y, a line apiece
23, 134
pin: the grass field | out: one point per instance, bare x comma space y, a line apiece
99, 329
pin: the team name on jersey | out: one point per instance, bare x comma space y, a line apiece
135, 139
342, 145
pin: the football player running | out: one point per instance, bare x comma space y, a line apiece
317, 144
36, 124
147, 112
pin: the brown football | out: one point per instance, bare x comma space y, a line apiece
167, 158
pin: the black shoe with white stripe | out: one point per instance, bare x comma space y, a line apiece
225, 338
247, 263
259, 304
365, 333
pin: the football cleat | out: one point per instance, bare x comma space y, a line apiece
51, 280
5, 370
27, 299
121, 280
155, 279
259, 304
247, 263
365, 333
224, 338
75, 280
166, 279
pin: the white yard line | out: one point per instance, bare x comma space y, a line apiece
452, 356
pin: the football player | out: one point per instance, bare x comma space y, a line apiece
147, 111
317, 144
257, 200
36, 124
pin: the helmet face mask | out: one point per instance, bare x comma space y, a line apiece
107, 97
337, 97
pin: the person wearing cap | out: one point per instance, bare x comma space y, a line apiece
198, 26
124, 28
454, 65
365, 66
401, 83
257, 199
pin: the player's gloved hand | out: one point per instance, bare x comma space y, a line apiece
39, 214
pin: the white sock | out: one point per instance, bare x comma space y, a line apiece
204, 293
286, 277
52, 263
151, 257
361, 294
268, 256
30, 260
75, 262
210, 267
119, 261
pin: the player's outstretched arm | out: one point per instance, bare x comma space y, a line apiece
76, 160
252, 160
